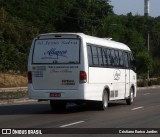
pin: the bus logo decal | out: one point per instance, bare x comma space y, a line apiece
117, 74
54, 53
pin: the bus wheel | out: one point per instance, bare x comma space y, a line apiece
57, 105
103, 105
130, 100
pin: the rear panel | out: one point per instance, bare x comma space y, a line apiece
55, 63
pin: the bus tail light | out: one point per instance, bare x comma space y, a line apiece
83, 77
29, 77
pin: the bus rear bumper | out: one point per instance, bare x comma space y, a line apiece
49, 94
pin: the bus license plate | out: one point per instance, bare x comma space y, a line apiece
55, 94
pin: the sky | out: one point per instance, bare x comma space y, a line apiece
135, 6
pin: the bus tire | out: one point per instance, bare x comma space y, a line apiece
130, 100
103, 105
57, 105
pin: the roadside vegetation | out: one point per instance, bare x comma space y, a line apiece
11, 79
22, 20
12, 95
145, 82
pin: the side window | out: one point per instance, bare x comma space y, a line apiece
100, 56
131, 60
112, 57
109, 57
121, 59
116, 58
126, 60
104, 55
90, 61
95, 56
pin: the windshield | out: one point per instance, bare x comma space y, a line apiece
56, 51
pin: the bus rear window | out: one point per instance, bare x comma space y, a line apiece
56, 51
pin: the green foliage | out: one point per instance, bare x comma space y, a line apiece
15, 40
156, 67
22, 20
144, 63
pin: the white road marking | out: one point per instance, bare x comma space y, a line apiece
137, 108
147, 93
72, 124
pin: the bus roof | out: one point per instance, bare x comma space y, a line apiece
90, 39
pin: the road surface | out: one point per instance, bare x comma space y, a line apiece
143, 113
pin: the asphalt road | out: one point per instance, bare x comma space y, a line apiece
143, 113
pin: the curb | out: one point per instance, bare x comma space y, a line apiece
145, 88
13, 89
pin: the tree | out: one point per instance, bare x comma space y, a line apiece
144, 63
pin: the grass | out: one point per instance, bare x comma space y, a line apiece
12, 95
8, 80
12, 80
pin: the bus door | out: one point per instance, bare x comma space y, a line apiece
127, 73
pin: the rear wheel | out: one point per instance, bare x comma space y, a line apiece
103, 105
57, 105
130, 100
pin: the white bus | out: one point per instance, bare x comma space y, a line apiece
74, 67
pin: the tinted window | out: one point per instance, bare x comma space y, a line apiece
104, 55
116, 58
112, 57
95, 55
121, 59
59, 51
109, 57
89, 56
100, 56
126, 60
129, 60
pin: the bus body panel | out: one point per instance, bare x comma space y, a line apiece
55, 77
107, 77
